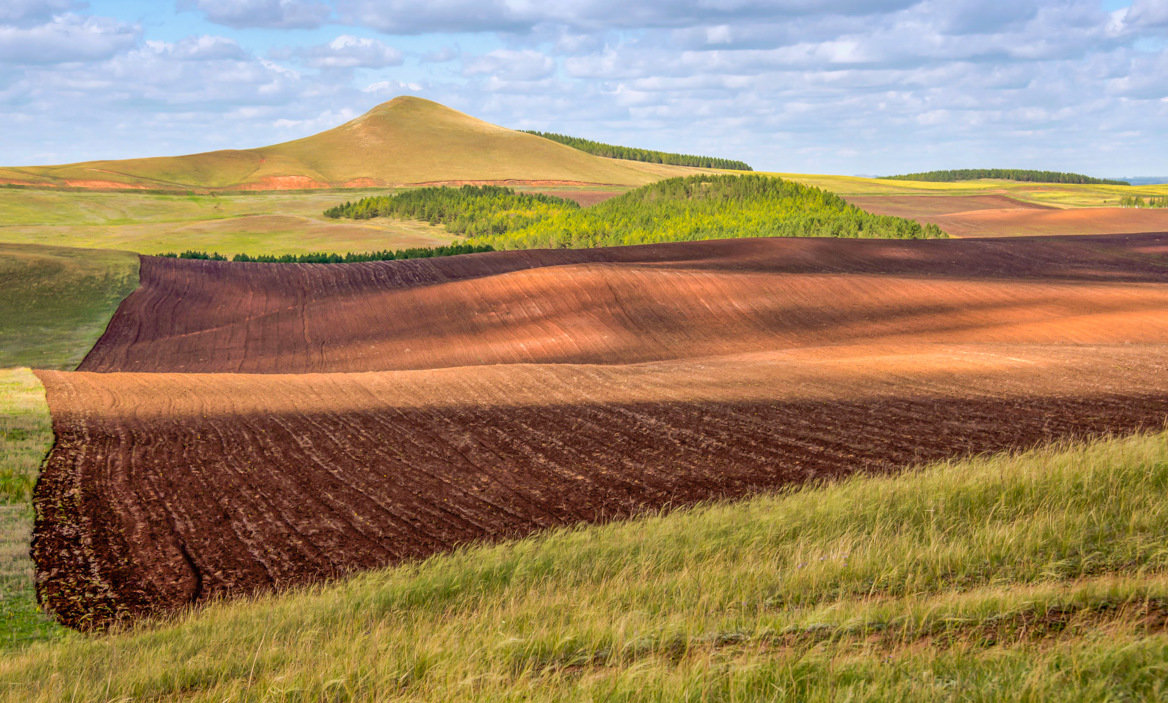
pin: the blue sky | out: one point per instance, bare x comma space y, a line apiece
828, 86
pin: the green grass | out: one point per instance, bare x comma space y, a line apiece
1055, 194
25, 438
1040, 576
58, 301
154, 223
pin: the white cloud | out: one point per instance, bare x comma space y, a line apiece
347, 51
65, 38
273, 14
511, 65
24, 12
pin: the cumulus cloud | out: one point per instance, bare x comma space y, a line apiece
347, 51
511, 65
24, 12
65, 38
274, 14
407, 17
868, 86
1147, 14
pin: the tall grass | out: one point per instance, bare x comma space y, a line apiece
25, 438
1033, 577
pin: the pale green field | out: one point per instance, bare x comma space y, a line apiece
146, 223
1042, 576
279, 222
58, 301
1055, 194
25, 438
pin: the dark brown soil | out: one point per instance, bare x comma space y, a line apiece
345, 417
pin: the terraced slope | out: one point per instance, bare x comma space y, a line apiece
404, 141
488, 396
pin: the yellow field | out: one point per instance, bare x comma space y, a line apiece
1054, 194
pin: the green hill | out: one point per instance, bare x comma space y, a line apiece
57, 301
404, 141
676, 209
1030, 577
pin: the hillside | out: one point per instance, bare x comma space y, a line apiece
57, 301
704, 206
652, 156
1036, 578
387, 411
404, 141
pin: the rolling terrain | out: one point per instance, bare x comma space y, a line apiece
1037, 577
336, 418
57, 301
1002, 216
404, 141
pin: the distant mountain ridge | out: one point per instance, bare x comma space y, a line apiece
405, 141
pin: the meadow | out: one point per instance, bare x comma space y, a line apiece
1033, 576
57, 301
1052, 194
277, 222
25, 438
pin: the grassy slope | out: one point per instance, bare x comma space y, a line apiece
1036, 577
25, 438
1059, 195
407, 140
262, 223
57, 301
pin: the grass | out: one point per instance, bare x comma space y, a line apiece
1040, 576
1056, 194
58, 301
405, 141
154, 223
25, 439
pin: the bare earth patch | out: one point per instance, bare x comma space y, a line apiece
300, 422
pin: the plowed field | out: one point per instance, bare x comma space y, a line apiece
248, 426
1001, 216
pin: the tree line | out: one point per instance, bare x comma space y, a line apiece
333, 258
678, 209
1006, 174
629, 153
1137, 201
470, 210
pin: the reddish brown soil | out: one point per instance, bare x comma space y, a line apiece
1000, 216
925, 205
635, 304
489, 396
283, 183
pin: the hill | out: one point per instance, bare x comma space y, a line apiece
698, 207
405, 141
1037, 577
57, 301
613, 151
1009, 174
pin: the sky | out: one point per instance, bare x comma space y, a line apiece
870, 87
